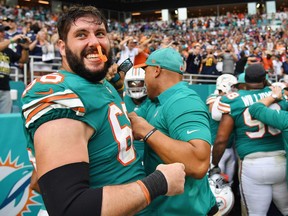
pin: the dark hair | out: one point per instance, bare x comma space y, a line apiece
75, 12
35, 28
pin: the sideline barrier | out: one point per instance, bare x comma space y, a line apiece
16, 197
20, 87
203, 90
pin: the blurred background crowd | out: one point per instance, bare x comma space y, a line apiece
206, 43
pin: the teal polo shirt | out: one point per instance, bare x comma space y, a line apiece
179, 113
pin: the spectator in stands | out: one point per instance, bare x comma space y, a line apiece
12, 31
194, 60
277, 67
285, 68
267, 62
255, 57
166, 41
129, 49
40, 47
229, 59
96, 171
8, 56
209, 62
240, 64
142, 55
33, 30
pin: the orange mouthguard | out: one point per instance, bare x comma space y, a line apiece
101, 56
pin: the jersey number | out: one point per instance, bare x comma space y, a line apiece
262, 128
52, 78
122, 135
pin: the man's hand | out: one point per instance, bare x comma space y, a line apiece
112, 71
175, 176
277, 91
140, 126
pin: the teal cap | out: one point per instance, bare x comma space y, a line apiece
241, 78
167, 58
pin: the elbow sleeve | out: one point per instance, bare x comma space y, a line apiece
66, 191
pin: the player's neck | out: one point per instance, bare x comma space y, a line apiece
254, 86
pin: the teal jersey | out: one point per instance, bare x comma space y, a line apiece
214, 125
275, 118
284, 103
251, 135
180, 114
131, 107
112, 158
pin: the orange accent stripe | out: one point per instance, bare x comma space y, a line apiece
52, 98
47, 102
38, 109
145, 191
80, 109
59, 97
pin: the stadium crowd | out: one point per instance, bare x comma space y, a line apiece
202, 41
209, 45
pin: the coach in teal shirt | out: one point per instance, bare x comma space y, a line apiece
178, 131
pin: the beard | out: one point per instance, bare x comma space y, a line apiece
77, 65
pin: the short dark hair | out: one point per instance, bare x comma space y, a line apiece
73, 13
255, 73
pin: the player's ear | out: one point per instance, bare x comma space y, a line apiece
157, 71
61, 45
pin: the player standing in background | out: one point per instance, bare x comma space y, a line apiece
259, 147
224, 85
275, 118
78, 130
135, 94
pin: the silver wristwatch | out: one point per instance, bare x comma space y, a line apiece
275, 96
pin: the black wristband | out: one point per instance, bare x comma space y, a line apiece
156, 184
149, 134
